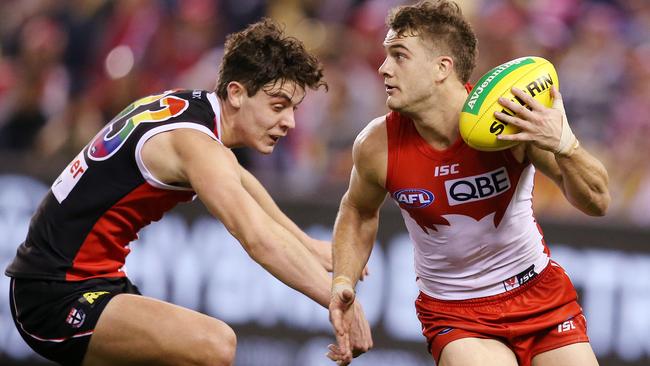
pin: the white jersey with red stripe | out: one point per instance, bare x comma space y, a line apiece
469, 214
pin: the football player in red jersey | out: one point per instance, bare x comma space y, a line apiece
70, 298
489, 292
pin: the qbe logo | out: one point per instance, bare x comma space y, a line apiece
477, 187
413, 197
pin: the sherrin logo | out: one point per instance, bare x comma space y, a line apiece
414, 197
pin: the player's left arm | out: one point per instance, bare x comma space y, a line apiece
581, 177
554, 150
322, 250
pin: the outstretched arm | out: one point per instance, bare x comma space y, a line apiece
213, 172
188, 156
555, 151
355, 231
321, 249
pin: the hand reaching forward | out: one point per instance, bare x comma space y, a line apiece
351, 328
323, 251
360, 336
547, 128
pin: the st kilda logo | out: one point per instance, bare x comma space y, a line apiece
75, 318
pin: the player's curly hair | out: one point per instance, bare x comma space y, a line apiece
261, 54
442, 23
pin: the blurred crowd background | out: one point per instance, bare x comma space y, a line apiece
68, 66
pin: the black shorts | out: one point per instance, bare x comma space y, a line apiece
57, 318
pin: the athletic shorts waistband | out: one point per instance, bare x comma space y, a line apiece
487, 300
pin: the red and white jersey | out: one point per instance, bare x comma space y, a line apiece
468, 212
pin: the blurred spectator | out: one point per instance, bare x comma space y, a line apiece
591, 68
39, 85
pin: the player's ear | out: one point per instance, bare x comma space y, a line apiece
444, 66
236, 92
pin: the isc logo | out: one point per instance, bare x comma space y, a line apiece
446, 170
477, 187
413, 197
566, 326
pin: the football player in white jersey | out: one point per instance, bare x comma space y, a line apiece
489, 292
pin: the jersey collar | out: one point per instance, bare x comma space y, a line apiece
212, 97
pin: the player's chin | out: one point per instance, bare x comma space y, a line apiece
394, 104
266, 149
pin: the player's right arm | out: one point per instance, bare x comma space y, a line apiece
192, 157
357, 221
355, 231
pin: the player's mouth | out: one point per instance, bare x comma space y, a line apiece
275, 138
390, 89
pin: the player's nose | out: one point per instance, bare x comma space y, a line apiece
384, 69
288, 120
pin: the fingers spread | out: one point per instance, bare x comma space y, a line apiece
504, 117
555, 93
529, 100
516, 108
515, 137
557, 100
524, 126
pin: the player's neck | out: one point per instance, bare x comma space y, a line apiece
437, 123
228, 115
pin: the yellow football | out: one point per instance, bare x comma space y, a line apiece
478, 126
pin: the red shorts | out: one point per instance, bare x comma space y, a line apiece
538, 316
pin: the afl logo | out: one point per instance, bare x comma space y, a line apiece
413, 197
